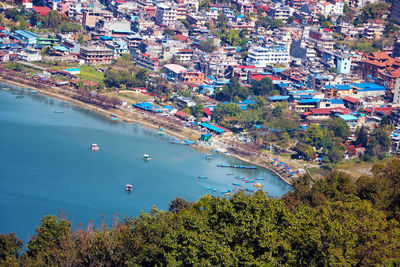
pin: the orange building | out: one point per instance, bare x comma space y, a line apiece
192, 77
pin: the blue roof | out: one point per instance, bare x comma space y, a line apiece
348, 117
240, 16
211, 78
60, 48
122, 31
168, 107
106, 38
247, 101
278, 97
338, 86
73, 69
303, 92
364, 87
308, 101
26, 34
336, 101
212, 127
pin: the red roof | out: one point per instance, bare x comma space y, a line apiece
182, 114
257, 77
246, 67
42, 10
181, 38
273, 78
385, 110
350, 99
207, 111
326, 111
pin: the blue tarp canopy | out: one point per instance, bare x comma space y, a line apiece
308, 101
211, 127
278, 98
364, 87
348, 117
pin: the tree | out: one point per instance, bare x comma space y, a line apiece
313, 134
207, 45
231, 37
362, 136
178, 204
339, 127
10, 248
262, 88
230, 90
226, 110
197, 111
221, 21
67, 27
304, 150
335, 155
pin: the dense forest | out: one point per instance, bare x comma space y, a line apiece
337, 221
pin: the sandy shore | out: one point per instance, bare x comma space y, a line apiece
147, 120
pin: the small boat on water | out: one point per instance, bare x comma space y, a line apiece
5, 89
202, 177
138, 124
208, 156
114, 119
249, 190
258, 185
160, 131
76, 109
146, 157
34, 91
58, 111
129, 187
208, 188
249, 181
214, 189
259, 179
19, 96
225, 192
112, 115
236, 184
230, 174
94, 147
15, 93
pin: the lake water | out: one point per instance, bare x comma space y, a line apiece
46, 166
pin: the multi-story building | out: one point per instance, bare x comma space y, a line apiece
144, 60
373, 31
27, 37
166, 15
328, 8
266, 56
91, 17
96, 55
279, 12
322, 38
119, 47
361, 3
192, 77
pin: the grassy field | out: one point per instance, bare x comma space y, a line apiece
131, 97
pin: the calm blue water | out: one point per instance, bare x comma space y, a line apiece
46, 166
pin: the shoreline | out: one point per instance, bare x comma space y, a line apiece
143, 120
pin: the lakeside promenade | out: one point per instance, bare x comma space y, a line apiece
171, 126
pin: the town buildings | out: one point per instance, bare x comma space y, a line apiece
96, 55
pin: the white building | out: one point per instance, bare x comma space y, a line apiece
280, 12
166, 15
328, 8
265, 56
29, 57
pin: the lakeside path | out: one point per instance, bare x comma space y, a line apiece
154, 122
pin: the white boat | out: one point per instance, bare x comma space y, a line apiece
94, 147
146, 157
208, 156
128, 187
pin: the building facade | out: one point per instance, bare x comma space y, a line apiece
266, 56
96, 55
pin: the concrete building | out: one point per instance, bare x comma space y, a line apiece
119, 47
279, 12
329, 9
360, 3
166, 15
144, 60
91, 17
96, 55
27, 37
396, 97
266, 56
343, 64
